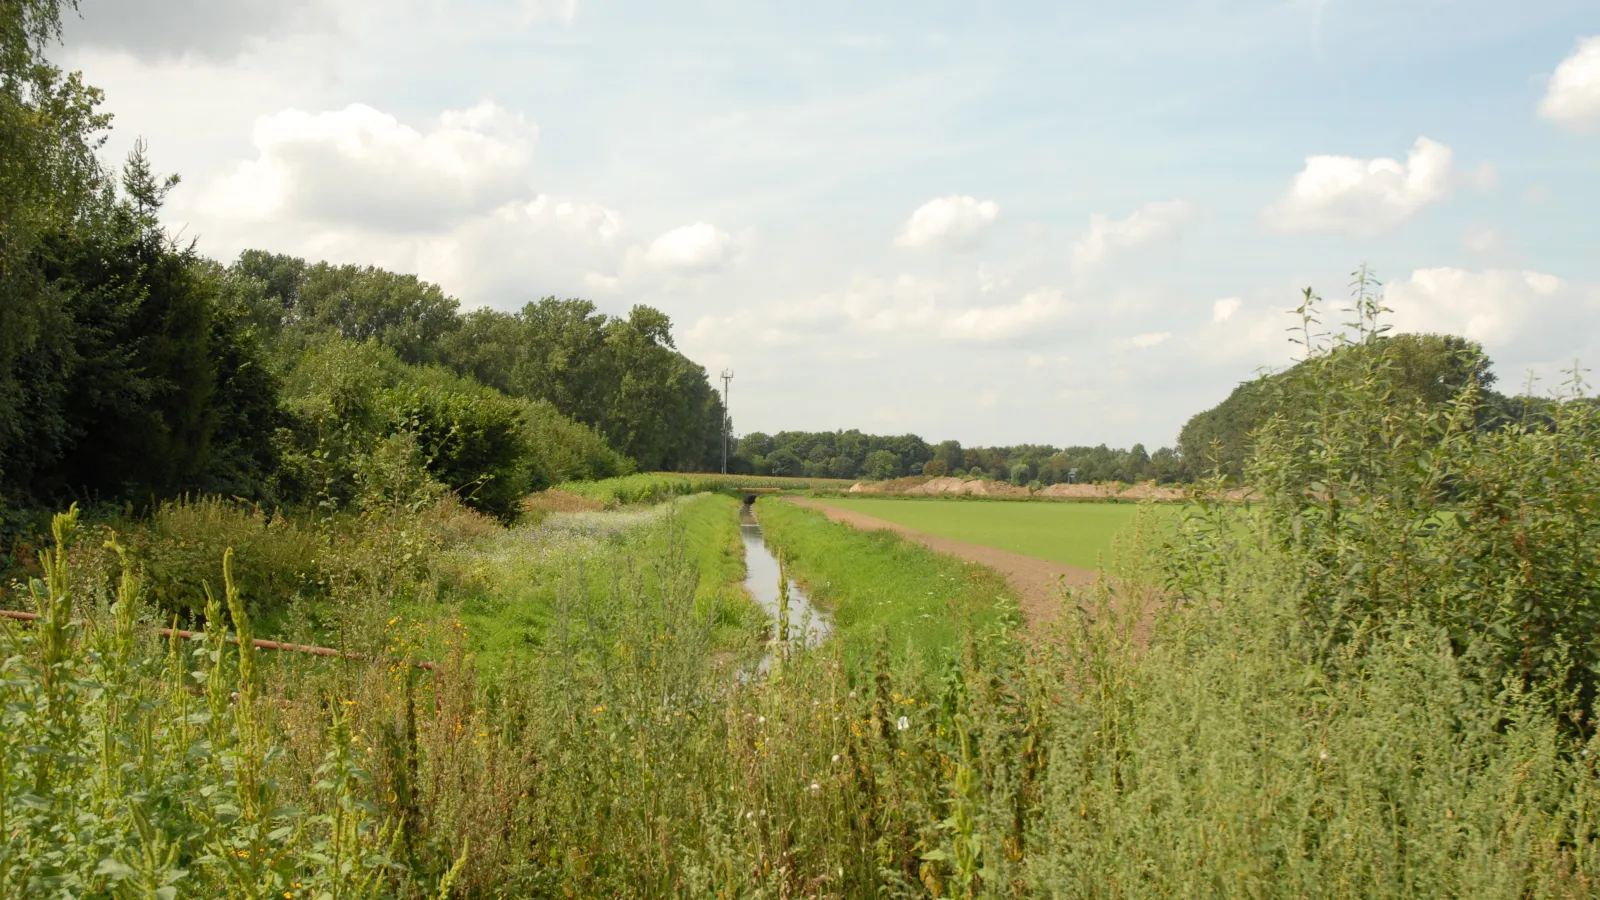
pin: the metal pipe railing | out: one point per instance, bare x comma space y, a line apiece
258, 642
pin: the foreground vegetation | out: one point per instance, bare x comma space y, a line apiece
1377, 679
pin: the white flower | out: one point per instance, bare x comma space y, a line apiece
1324, 754
761, 720
836, 757
903, 724
815, 786
852, 695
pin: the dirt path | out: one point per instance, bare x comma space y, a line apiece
1035, 580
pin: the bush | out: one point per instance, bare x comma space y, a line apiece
181, 550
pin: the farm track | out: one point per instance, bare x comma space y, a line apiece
1036, 581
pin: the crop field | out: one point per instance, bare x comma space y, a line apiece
1074, 534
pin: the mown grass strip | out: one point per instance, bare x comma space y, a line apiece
1074, 534
876, 583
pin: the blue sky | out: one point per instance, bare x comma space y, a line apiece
1065, 223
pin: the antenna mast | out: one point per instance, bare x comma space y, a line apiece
727, 376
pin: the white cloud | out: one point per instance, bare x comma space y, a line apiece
1572, 98
1483, 240
948, 223
1223, 310
1494, 306
549, 10
359, 166
525, 249
1149, 222
1151, 339
994, 323
905, 308
691, 248
1364, 196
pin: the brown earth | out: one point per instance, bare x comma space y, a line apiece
1149, 491
976, 487
561, 501
1038, 582
1079, 491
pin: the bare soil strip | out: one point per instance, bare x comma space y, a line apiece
1036, 581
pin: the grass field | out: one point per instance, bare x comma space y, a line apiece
1075, 534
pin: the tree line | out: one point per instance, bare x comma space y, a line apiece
852, 454
134, 368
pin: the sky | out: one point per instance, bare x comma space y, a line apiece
1003, 222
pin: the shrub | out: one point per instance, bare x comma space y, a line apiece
182, 546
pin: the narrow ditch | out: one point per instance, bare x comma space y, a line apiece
808, 625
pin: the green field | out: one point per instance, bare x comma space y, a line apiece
1075, 534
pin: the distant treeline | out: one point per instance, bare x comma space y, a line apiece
851, 454
1429, 368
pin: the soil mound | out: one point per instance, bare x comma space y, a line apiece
1078, 491
1149, 491
977, 487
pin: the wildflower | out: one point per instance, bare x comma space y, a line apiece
903, 724
836, 757
815, 786
761, 720
1324, 754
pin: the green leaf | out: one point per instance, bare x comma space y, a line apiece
114, 869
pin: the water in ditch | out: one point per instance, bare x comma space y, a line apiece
808, 625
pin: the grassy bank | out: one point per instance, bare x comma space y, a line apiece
507, 589
879, 586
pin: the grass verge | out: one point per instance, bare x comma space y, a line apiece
509, 586
877, 584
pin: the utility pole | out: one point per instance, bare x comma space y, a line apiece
727, 376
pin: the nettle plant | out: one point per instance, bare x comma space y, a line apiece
1378, 504
130, 767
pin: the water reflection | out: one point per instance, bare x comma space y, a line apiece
808, 626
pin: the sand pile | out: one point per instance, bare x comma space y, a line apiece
1078, 491
1149, 491
977, 487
